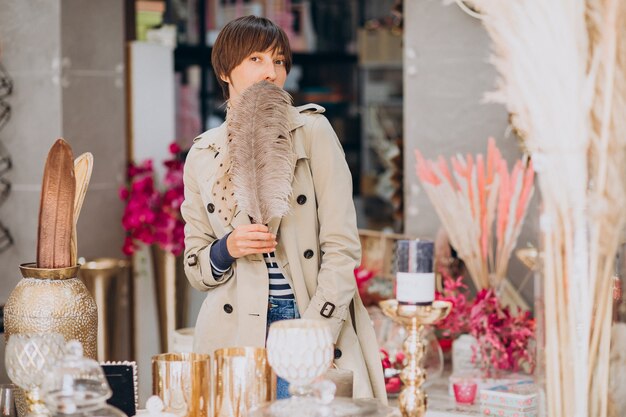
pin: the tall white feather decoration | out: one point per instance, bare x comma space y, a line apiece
563, 77
261, 151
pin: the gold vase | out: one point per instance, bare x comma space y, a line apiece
53, 301
171, 293
243, 380
108, 281
183, 382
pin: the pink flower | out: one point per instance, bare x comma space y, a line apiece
174, 148
362, 275
152, 216
503, 338
456, 292
393, 385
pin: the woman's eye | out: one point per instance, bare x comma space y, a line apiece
279, 62
254, 58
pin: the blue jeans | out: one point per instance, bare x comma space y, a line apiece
281, 309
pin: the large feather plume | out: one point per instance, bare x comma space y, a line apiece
260, 148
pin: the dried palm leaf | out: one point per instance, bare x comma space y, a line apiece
83, 166
606, 21
540, 49
56, 210
260, 148
563, 75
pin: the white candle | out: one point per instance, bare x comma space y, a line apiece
416, 288
415, 280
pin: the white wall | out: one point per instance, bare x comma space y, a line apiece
446, 75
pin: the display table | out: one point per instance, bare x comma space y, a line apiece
440, 404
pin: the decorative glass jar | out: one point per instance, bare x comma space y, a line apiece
76, 387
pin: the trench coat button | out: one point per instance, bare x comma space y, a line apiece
308, 253
228, 308
210, 208
301, 199
337, 353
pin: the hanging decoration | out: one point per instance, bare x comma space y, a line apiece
6, 88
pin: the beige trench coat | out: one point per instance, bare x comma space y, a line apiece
318, 249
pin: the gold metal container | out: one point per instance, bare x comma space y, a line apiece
108, 281
243, 380
53, 301
183, 382
171, 293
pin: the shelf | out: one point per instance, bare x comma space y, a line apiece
392, 102
381, 65
188, 55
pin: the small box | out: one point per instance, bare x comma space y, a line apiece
519, 396
507, 412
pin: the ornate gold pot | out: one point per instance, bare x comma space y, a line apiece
53, 301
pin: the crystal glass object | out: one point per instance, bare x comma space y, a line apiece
300, 351
28, 359
76, 386
7, 400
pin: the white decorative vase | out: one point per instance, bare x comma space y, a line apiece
299, 351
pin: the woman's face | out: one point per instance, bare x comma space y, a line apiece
258, 66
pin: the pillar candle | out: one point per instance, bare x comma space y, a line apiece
415, 280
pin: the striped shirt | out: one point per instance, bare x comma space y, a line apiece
279, 286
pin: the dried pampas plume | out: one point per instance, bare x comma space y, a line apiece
262, 157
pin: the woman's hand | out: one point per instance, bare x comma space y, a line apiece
247, 239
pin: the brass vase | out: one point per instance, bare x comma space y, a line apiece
183, 382
108, 281
53, 301
171, 293
243, 379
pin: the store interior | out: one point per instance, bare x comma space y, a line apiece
131, 82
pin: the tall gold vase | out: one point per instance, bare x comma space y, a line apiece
108, 281
53, 301
171, 293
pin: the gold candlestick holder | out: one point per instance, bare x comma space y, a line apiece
413, 400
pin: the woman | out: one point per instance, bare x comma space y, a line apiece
298, 266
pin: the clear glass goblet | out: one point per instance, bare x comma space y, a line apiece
300, 351
28, 358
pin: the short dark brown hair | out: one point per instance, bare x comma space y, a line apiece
242, 37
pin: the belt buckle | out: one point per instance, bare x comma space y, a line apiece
327, 310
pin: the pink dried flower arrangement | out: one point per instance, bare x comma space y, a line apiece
504, 339
151, 216
458, 321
